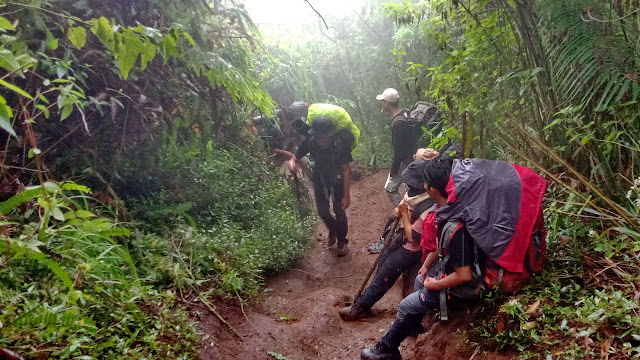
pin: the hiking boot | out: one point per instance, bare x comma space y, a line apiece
377, 247
331, 240
342, 249
380, 352
353, 312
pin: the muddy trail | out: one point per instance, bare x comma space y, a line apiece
297, 316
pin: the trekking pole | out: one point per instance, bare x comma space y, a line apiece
387, 242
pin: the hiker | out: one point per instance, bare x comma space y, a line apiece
404, 141
330, 151
403, 256
447, 276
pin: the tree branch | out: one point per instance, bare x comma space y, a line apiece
320, 15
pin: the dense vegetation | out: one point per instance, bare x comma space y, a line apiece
128, 180
142, 102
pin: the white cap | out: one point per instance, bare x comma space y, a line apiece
390, 95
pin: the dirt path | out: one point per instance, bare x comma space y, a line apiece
311, 294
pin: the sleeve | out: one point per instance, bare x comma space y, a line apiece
461, 249
401, 141
346, 156
303, 150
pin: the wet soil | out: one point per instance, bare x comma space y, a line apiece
297, 316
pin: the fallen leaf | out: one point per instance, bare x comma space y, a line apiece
534, 307
604, 350
529, 325
499, 325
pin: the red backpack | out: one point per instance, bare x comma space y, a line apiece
511, 282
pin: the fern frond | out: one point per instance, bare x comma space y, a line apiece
19, 199
70, 186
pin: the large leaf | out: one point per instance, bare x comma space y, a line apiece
16, 89
5, 117
128, 53
103, 30
6, 24
77, 36
148, 53
8, 60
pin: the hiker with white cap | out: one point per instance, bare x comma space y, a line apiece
404, 140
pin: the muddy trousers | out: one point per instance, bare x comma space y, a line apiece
410, 313
393, 263
337, 224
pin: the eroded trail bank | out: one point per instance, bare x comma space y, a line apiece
298, 315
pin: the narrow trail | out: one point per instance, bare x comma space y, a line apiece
311, 294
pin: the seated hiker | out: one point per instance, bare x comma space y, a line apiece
447, 276
330, 151
404, 254
424, 154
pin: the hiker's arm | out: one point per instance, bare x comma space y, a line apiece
346, 175
462, 275
400, 132
406, 220
303, 150
284, 153
430, 260
396, 136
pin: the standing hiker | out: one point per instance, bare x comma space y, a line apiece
404, 141
330, 152
447, 276
404, 254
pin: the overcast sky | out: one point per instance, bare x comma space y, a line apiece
297, 11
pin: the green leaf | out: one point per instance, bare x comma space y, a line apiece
44, 110
627, 231
84, 214
148, 53
8, 60
77, 36
52, 42
5, 123
66, 111
5, 117
189, 38
33, 152
103, 30
6, 24
57, 213
169, 46
15, 88
128, 53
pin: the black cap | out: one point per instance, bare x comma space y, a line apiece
297, 110
413, 175
322, 126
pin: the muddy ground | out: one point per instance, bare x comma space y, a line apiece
297, 316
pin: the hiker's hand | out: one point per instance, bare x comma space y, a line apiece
293, 165
346, 202
403, 207
431, 284
423, 271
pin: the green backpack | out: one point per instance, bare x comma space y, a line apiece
339, 116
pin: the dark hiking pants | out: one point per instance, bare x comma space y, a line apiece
393, 263
337, 224
410, 313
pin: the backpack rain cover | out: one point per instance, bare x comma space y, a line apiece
499, 203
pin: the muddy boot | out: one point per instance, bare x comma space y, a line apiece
380, 352
353, 312
342, 249
331, 240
